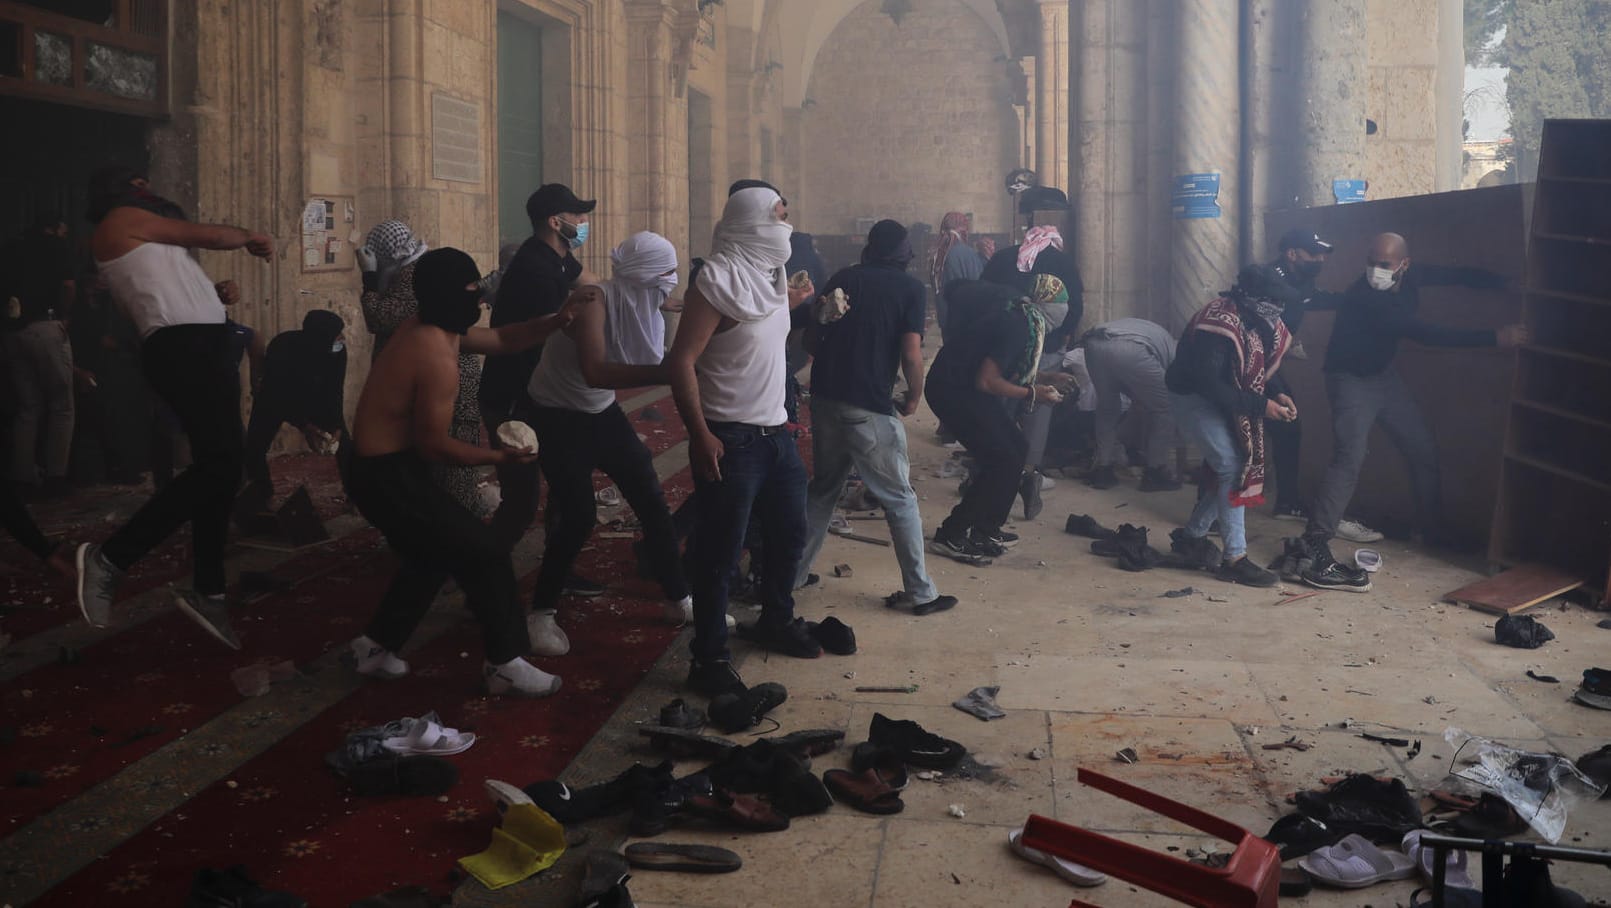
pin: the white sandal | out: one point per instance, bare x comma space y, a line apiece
431, 738
1355, 863
1078, 874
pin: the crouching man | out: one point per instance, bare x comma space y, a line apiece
403, 421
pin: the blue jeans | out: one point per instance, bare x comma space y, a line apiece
1210, 429
843, 437
761, 474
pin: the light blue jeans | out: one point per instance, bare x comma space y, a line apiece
845, 437
1210, 430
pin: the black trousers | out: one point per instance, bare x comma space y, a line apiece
435, 538
573, 445
191, 370
1286, 440
15, 518
982, 424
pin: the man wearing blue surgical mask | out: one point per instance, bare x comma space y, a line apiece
538, 280
1378, 311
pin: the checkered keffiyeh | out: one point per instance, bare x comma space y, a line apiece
394, 244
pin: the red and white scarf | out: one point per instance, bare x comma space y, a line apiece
1254, 367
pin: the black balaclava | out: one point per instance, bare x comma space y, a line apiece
112, 187
888, 243
322, 327
445, 283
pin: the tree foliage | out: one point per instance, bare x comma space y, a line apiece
1559, 57
1484, 20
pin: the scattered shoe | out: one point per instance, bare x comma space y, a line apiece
678, 714
810, 742
1029, 488
1333, 575
1078, 874
376, 661
519, 678
1086, 525
504, 795
604, 883
714, 678
211, 612
1243, 571
875, 788
791, 638
682, 858
1354, 531
232, 888
733, 713
685, 743
578, 805
1355, 863
547, 639
1297, 556
1154, 479
1455, 872
913, 744
577, 585
1102, 478
1196, 550
834, 636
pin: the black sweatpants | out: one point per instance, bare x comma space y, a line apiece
19, 523
573, 445
981, 423
435, 538
1286, 440
191, 369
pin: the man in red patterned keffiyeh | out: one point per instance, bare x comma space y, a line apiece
954, 259
1223, 386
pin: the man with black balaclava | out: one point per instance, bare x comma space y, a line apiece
1302, 256
304, 380
403, 422
141, 246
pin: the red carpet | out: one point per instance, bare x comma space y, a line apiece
285, 815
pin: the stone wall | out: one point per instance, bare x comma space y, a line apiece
1401, 159
908, 121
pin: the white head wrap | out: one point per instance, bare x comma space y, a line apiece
743, 277
635, 331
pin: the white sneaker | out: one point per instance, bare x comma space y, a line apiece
546, 637
519, 678
1047, 483
682, 612
1354, 531
377, 661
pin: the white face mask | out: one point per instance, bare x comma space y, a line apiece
667, 283
1380, 278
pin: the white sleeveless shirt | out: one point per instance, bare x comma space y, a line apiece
158, 285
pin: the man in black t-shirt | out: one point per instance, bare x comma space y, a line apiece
853, 419
537, 282
37, 279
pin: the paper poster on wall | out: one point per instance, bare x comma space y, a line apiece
1347, 192
327, 223
1196, 196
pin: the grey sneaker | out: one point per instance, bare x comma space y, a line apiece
212, 613
97, 585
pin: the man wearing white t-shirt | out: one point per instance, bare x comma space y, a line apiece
727, 373
141, 247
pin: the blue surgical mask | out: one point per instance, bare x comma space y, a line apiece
578, 236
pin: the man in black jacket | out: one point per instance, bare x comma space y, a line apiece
1378, 311
304, 384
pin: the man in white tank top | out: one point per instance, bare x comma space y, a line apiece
141, 246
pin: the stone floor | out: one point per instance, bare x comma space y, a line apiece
1090, 660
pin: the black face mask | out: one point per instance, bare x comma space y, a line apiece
1308, 271
458, 313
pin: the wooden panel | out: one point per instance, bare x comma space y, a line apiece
1515, 590
1464, 393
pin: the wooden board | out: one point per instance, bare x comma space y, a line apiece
1515, 590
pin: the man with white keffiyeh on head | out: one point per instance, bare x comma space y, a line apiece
727, 372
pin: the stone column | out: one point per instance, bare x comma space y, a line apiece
659, 122
1052, 95
1334, 80
1269, 122
1450, 93
1109, 182
1205, 251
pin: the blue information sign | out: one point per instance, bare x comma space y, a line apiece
1196, 196
1349, 191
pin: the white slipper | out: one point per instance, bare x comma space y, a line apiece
430, 738
1355, 863
1455, 871
504, 795
1078, 874
1368, 560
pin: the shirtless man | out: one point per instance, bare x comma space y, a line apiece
402, 423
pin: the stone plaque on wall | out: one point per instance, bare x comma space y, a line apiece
455, 139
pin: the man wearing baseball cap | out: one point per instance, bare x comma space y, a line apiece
537, 282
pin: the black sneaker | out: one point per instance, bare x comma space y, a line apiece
577, 805
1102, 478
915, 745
733, 713
577, 585
712, 679
835, 636
1154, 479
1246, 573
966, 547
937, 604
791, 638
1331, 574
1029, 490
1196, 550
678, 714
992, 544
604, 884
1001, 537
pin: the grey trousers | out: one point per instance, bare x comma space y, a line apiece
41, 362
1357, 404
1122, 366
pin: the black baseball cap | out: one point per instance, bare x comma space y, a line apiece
1305, 239
556, 198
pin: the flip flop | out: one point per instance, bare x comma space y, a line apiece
1355, 863
682, 858
430, 738
1078, 874
1455, 862
866, 791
